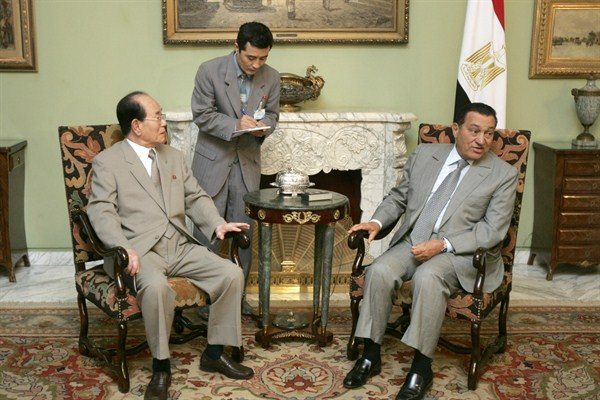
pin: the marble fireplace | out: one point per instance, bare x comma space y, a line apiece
314, 142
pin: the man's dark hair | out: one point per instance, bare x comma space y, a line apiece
479, 108
129, 109
255, 33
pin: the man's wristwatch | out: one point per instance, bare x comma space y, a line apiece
445, 249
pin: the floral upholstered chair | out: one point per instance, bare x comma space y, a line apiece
474, 305
79, 145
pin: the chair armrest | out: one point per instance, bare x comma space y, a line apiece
239, 240
479, 264
356, 241
117, 254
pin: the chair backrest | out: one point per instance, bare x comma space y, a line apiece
510, 145
79, 145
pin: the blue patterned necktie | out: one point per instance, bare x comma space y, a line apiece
424, 225
244, 92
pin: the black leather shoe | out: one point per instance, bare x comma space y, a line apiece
414, 387
158, 388
359, 374
226, 366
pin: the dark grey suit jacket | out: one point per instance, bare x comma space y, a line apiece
216, 107
478, 214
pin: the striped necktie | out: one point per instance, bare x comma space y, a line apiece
154, 174
424, 225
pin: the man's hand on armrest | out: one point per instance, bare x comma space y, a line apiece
372, 227
134, 262
222, 230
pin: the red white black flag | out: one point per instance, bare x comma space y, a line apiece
482, 66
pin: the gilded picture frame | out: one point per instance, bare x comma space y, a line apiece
17, 50
291, 21
566, 39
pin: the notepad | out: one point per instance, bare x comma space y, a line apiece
256, 128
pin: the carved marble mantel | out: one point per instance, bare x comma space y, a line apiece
323, 141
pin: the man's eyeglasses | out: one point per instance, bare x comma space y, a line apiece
163, 117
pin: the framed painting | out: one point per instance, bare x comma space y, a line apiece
566, 39
17, 52
291, 21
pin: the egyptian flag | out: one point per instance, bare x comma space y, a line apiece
482, 65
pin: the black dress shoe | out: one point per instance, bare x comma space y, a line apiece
158, 388
414, 387
359, 374
226, 366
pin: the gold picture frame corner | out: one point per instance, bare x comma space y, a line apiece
17, 53
552, 16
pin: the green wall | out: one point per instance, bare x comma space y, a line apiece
92, 52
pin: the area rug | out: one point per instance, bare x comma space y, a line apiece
553, 353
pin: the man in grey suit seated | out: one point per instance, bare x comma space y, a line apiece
454, 198
231, 93
142, 189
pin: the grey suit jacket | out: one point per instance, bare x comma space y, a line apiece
125, 207
216, 107
478, 214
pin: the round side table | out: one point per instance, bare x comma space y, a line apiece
268, 207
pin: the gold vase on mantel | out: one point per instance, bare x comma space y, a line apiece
296, 89
587, 104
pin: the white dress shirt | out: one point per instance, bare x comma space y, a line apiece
142, 152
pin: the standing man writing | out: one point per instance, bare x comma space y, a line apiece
454, 198
233, 93
142, 189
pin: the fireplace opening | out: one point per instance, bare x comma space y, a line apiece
344, 182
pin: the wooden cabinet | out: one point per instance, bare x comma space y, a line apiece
566, 205
12, 189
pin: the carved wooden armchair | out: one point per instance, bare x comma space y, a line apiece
79, 145
473, 306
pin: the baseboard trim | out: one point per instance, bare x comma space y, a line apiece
61, 257
50, 257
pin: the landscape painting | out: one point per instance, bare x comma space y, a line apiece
565, 39
342, 21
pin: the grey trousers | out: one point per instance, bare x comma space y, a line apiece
432, 283
230, 204
220, 278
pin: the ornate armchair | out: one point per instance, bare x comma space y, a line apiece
79, 145
472, 306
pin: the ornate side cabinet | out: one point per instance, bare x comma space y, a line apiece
567, 205
12, 188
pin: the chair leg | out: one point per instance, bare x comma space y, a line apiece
475, 355
237, 353
84, 344
122, 371
401, 322
502, 318
352, 347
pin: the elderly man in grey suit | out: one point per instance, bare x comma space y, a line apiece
233, 93
454, 198
142, 189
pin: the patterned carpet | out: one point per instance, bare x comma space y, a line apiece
553, 353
